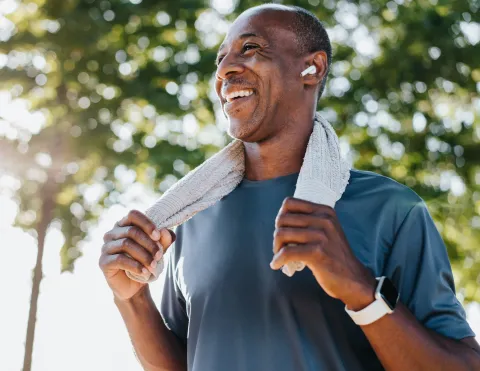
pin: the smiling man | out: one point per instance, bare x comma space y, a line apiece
378, 290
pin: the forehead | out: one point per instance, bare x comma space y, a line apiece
275, 26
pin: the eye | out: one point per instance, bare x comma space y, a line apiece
247, 47
219, 59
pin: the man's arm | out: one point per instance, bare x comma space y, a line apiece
402, 343
135, 245
428, 322
156, 347
400, 340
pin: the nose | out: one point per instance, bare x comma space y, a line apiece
229, 65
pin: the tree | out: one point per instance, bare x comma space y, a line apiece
117, 87
402, 94
82, 112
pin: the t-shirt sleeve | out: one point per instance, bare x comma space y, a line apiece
419, 267
172, 307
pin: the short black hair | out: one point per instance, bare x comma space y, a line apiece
312, 35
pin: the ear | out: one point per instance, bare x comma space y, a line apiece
319, 60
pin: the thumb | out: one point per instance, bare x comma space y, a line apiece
167, 237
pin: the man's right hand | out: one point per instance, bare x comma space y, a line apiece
133, 245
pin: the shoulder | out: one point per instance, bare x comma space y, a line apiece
368, 184
381, 198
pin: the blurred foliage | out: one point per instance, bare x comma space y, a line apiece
121, 91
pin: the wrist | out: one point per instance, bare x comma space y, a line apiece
362, 296
142, 296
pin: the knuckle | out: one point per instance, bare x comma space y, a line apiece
150, 226
133, 232
331, 210
283, 252
278, 233
318, 252
288, 249
132, 214
131, 263
329, 224
279, 220
287, 201
330, 216
126, 243
318, 234
120, 259
138, 267
106, 236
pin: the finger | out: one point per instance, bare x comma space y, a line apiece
136, 234
299, 220
321, 221
116, 262
130, 247
135, 217
284, 236
296, 205
305, 253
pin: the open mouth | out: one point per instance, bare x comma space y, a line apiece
239, 98
239, 102
244, 93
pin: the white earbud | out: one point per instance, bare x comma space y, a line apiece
310, 70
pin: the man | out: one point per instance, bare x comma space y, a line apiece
226, 306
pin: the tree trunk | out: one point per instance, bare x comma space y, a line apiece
47, 194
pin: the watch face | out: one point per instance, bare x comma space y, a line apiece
389, 293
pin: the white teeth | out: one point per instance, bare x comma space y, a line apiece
240, 93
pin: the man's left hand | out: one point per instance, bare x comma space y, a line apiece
320, 243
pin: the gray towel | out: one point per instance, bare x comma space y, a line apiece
323, 178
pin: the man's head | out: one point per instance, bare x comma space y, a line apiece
262, 56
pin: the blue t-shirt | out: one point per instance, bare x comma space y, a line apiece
235, 313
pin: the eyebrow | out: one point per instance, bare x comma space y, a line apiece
242, 36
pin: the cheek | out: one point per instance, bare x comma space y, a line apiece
286, 87
277, 87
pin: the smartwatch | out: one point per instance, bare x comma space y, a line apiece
386, 298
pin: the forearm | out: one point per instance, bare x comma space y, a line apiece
402, 343
157, 348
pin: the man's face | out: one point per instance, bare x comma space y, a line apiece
256, 77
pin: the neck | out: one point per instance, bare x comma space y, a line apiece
282, 153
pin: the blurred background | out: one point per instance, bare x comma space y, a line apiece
104, 104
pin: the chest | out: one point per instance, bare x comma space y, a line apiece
227, 249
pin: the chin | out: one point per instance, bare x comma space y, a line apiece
244, 130
244, 118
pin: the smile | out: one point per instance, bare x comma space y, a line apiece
239, 104
238, 94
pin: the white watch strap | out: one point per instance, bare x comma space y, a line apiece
371, 313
